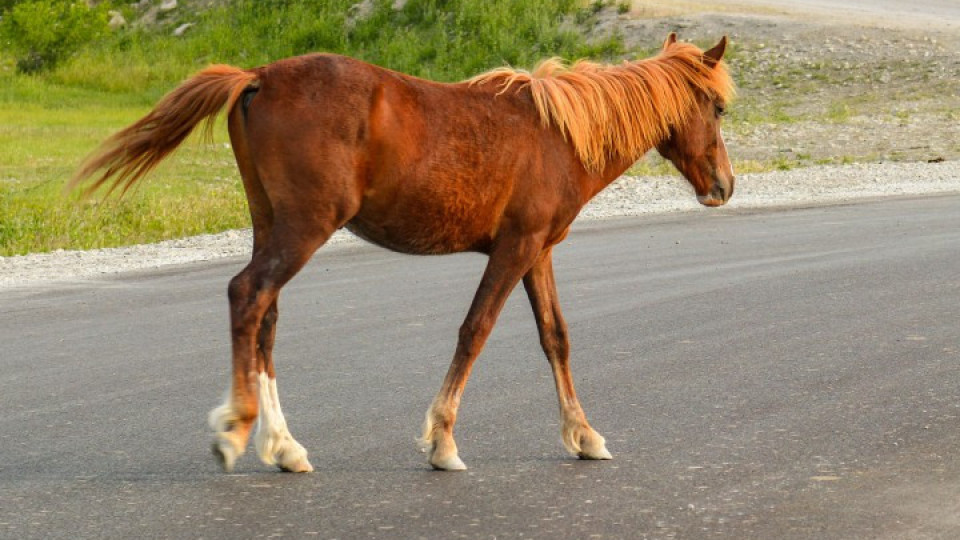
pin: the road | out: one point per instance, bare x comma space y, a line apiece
920, 14
758, 374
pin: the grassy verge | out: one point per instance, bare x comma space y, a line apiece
197, 191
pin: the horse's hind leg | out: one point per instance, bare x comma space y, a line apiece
275, 445
287, 230
252, 293
578, 437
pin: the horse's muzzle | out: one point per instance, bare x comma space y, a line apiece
719, 194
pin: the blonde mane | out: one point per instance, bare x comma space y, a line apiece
618, 111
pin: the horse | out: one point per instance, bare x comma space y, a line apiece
499, 164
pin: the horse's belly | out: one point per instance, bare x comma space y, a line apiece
433, 212
422, 234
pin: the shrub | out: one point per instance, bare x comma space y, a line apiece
41, 33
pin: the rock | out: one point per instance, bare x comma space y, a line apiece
360, 11
116, 20
180, 30
149, 17
168, 5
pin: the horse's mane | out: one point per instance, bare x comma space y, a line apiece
618, 111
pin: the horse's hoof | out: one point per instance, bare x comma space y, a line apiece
600, 453
299, 466
450, 463
224, 453
284, 452
594, 447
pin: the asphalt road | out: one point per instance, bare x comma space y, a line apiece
918, 14
758, 374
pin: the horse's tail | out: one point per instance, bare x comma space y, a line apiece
131, 153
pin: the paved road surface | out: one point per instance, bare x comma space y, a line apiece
930, 14
758, 374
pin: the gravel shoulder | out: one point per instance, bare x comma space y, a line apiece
628, 196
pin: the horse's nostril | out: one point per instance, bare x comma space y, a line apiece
719, 191
722, 190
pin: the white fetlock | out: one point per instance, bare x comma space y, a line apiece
275, 445
222, 418
225, 446
226, 450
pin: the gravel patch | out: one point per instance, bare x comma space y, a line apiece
628, 196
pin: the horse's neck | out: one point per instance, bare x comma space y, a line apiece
614, 169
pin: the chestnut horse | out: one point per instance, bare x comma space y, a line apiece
500, 164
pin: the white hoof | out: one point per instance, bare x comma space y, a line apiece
225, 452
450, 463
300, 465
600, 453
582, 441
442, 448
284, 452
593, 446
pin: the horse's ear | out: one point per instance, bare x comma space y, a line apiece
714, 55
671, 39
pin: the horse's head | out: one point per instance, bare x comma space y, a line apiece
696, 146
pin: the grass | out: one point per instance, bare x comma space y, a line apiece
653, 164
46, 130
165, 209
197, 191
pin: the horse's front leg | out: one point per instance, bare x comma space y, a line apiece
508, 262
578, 437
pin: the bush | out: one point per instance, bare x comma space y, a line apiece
41, 33
444, 40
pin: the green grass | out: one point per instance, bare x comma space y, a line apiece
654, 165
439, 39
197, 191
40, 219
838, 113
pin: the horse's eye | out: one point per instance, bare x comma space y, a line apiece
721, 111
